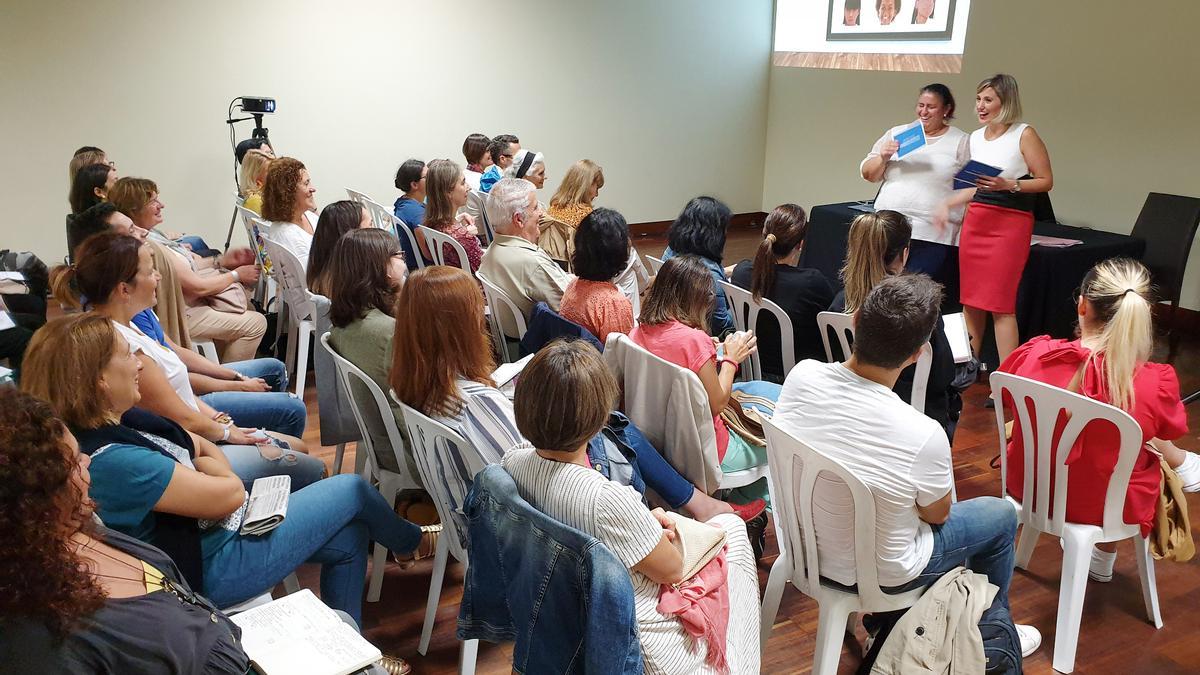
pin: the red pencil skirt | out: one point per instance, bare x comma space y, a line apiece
992, 251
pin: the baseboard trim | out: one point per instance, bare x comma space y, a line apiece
657, 228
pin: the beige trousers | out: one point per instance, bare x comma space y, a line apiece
237, 335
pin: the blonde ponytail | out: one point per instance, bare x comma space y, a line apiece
1119, 292
63, 287
876, 240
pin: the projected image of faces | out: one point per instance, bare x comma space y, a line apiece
922, 11
850, 12
891, 20
886, 11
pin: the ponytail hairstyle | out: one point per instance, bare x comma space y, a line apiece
877, 240
1119, 291
102, 262
784, 230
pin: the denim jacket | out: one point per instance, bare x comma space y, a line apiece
613, 452
563, 597
721, 321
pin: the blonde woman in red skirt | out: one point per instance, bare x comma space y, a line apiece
998, 224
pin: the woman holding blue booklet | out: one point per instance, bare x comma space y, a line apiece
998, 224
917, 181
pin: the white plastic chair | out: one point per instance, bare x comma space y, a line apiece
390, 482
434, 445
300, 310
497, 301
632, 281
477, 208
745, 316
438, 241
360, 197
207, 349
795, 467
655, 264
842, 326
1044, 509
385, 219
264, 290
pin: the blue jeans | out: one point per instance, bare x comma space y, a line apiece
656, 472
979, 535
199, 246
275, 410
248, 462
329, 522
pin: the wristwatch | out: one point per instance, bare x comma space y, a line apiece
1016, 187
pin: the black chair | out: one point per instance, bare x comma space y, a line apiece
1168, 225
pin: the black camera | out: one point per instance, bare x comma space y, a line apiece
258, 105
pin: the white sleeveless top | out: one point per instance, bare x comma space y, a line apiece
169, 361
1004, 152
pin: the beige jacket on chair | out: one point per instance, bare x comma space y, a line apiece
171, 307
670, 406
940, 634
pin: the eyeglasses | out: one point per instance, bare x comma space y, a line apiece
398, 254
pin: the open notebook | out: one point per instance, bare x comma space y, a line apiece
300, 634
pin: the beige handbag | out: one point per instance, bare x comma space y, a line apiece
231, 300
697, 542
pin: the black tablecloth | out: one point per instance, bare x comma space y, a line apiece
1045, 302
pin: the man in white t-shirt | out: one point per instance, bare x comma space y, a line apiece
848, 411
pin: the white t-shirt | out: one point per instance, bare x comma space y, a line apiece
918, 182
293, 237
901, 455
172, 366
472, 179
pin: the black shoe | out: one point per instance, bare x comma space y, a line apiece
756, 530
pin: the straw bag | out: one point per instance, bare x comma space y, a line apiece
697, 542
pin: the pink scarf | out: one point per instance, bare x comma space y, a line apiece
702, 605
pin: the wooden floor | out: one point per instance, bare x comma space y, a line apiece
907, 63
1115, 637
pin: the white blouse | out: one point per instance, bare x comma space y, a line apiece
293, 237
172, 366
919, 182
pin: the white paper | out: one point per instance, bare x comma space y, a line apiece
956, 335
6, 321
300, 634
14, 276
505, 376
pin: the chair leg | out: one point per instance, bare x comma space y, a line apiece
435, 593
1077, 556
304, 334
289, 359
338, 454
1026, 542
1145, 565
466, 657
772, 595
389, 490
831, 626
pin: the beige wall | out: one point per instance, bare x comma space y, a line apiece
1113, 93
644, 88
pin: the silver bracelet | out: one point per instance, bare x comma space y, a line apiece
236, 278
225, 436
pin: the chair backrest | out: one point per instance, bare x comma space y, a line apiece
477, 207
437, 243
360, 197
385, 219
632, 281
1167, 223
842, 327
498, 301
256, 230
1038, 408
745, 316
655, 264
377, 407
794, 469
338, 424
438, 450
380, 214
289, 274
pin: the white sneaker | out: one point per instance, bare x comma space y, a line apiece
1100, 569
1031, 639
1189, 472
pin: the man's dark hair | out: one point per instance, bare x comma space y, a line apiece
601, 246
409, 173
897, 317
82, 225
247, 145
700, 229
498, 147
507, 138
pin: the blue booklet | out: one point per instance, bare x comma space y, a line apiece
910, 139
973, 171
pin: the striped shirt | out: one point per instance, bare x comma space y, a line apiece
613, 513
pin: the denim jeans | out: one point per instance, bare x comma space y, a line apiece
329, 522
198, 245
275, 410
979, 535
251, 462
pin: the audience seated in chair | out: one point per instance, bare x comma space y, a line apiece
675, 312
90, 186
289, 205
153, 480
562, 400
252, 175
849, 412
475, 153
877, 248
801, 292
117, 276
410, 206
336, 220
700, 230
513, 262
88, 154
572, 201
501, 151
529, 165
546, 325
1109, 362
366, 274
446, 189
601, 251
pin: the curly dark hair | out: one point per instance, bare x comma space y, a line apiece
601, 246
279, 188
41, 577
700, 229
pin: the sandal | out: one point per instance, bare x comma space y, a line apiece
394, 665
425, 549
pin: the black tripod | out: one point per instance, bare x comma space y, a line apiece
259, 132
